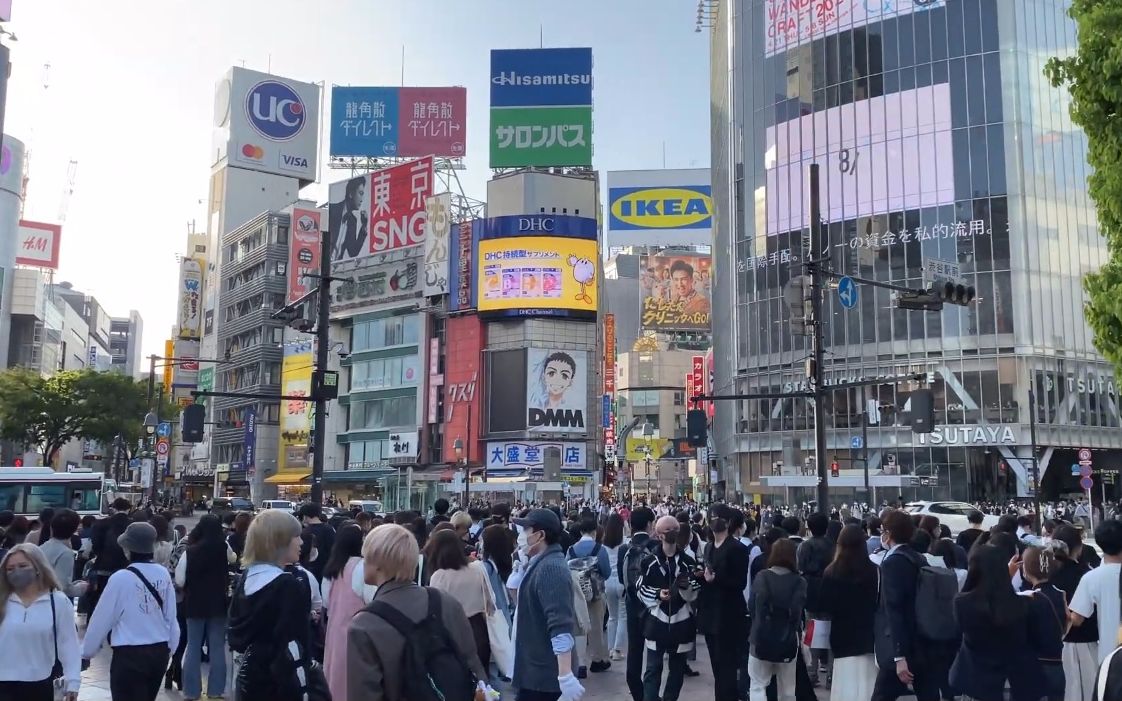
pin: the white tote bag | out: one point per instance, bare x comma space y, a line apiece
498, 633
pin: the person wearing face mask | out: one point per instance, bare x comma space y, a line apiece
36, 619
544, 618
668, 587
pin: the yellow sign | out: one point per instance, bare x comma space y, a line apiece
538, 275
169, 368
637, 448
295, 416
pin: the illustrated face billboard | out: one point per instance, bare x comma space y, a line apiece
660, 208
397, 205
676, 292
348, 217
190, 299
38, 244
402, 122
556, 391
791, 23
304, 248
538, 276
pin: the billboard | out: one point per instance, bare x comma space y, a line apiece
397, 205
38, 244
304, 249
295, 416
376, 122
556, 391
788, 24
538, 276
267, 123
609, 386
463, 377
190, 319
660, 207
249, 440
378, 283
519, 456
348, 219
506, 391
562, 225
541, 107
205, 383
461, 264
676, 292
438, 234
186, 375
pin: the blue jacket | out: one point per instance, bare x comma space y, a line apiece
584, 548
544, 611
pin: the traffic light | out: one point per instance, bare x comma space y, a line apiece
696, 428
923, 411
194, 416
952, 293
18, 462
796, 295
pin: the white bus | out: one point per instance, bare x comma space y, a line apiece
28, 490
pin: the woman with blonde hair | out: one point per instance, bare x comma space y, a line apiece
375, 645
37, 632
269, 615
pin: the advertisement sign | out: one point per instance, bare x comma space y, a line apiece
660, 207
304, 249
91, 357
697, 380
436, 380
205, 383
168, 367
38, 244
538, 276
541, 77
295, 416
463, 374
530, 455
397, 205
375, 122
789, 24
190, 320
267, 123
676, 292
186, 375
438, 234
638, 449
560, 225
249, 450
348, 219
556, 391
461, 264
401, 445
542, 136
609, 384
372, 284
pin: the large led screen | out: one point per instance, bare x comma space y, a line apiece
791, 23
538, 276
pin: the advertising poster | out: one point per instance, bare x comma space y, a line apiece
544, 136
676, 292
249, 449
530, 455
463, 377
788, 23
461, 264
406, 122
304, 249
397, 205
538, 276
438, 234
168, 369
295, 416
206, 383
190, 319
348, 219
556, 391
375, 284
38, 244
660, 207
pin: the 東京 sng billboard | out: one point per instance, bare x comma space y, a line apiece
556, 391
267, 123
676, 292
537, 276
660, 207
398, 122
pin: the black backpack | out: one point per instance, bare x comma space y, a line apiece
776, 629
631, 567
432, 667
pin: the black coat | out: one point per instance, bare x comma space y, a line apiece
851, 604
895, 633
722, 610
206, 583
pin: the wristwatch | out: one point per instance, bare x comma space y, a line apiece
898, 659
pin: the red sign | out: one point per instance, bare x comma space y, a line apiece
697, 379
432, 120
397, 205
304, 252
38, 244
463, 380
710, 407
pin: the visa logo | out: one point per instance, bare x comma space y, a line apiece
664, 208
294, 161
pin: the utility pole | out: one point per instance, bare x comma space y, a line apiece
817, 288
1035, 463
323, 340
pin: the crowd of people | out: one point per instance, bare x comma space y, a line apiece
530, 600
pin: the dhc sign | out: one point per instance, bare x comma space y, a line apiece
560, 225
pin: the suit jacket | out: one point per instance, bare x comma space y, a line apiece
895, 632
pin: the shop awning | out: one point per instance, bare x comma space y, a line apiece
288, 477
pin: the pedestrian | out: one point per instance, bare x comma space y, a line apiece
311, 515
849, 597
60, 553
1097, 592
497, 545
545, 621
722, 610
614, 542
776, 607
201, 573
270, 614
814, 555
107, 555
37, 632
164, 534
42, 531
236, 539
587, 549
629, 568
137, 614
1047, 620
465, 581
1081, 644
344, 595
375, 641
668, 587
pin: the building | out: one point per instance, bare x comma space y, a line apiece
941, 147
11, 208
125, 337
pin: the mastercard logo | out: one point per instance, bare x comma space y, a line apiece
251, 151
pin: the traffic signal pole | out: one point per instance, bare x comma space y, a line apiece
323, 339
817, 374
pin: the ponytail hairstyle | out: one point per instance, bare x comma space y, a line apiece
1040, 563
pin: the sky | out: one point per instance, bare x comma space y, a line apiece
129, 95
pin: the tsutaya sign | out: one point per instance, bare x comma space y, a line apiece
970, 435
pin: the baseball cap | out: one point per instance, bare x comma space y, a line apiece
540, 520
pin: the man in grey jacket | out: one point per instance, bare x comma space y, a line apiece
544, 619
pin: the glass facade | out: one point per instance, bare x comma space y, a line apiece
940, 144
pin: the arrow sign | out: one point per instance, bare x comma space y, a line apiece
847, 292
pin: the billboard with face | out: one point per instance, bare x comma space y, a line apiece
556, 391
676, 292
348, 217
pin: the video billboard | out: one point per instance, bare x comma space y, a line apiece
304, 252
398, 122
676, 292
556, 391
538, 276
190, 318
295, 416
788, 23
660, 207
38, 244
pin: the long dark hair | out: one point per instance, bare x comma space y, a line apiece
348, 544
851, 556
613, 531
498, 546
445, 551
208, 540
988, 585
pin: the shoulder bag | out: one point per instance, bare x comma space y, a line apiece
498, 632
58, 681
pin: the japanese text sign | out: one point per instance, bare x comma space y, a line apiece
676, 292
38, 244
397, 205
402, 122
543, 136
531, 455
304, 252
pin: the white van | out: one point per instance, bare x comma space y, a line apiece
286, 506
370, 506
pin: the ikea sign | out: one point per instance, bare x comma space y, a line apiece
660, 207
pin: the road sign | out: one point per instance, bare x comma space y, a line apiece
1074, 470
935, 270
847, 292
163, 430
1084, 470
162, 448
856, 443
1086, 483
1085, 455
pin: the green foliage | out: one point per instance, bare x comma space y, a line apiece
1093, 75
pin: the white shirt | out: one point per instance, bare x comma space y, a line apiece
129, 611
27, 637
1098, 590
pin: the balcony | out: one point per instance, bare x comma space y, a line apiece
255, 319
273, 252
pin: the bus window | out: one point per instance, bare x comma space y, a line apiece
11, 497
84, 499
40, 496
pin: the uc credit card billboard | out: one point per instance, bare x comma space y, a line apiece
660, 208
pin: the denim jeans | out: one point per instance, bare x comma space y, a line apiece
214, 632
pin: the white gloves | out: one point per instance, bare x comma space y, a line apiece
571, 689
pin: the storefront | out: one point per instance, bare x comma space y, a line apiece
196, 480
292, 484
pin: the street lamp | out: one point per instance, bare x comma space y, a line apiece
458, 447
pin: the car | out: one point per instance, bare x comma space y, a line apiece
950, 513
282, 504
226, 505
374, 507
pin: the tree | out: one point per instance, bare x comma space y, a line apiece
1093, 75
39, 412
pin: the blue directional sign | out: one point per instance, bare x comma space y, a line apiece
856, 443
163, 430
1075, 469
847, 292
